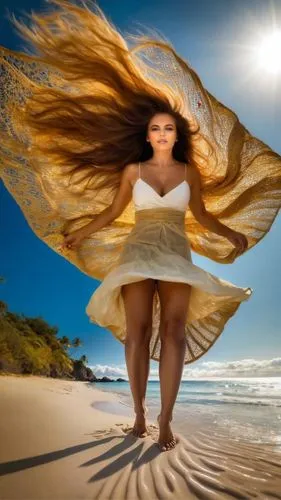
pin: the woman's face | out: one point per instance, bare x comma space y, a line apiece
162, 131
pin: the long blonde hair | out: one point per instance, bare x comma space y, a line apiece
97, 120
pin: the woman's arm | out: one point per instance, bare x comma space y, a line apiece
109, 214
208, 220
198, 208
120, 201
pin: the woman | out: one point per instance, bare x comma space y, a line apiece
123, 163
162, 175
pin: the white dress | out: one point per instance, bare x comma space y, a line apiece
158, 248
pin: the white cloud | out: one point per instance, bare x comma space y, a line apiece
114, 371
240, 368
206, 369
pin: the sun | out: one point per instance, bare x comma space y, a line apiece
268, 53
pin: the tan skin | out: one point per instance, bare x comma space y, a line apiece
162, 172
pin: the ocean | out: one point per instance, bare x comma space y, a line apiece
244, 409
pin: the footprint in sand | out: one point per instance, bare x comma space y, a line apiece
152, 429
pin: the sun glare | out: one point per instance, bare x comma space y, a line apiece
269, 53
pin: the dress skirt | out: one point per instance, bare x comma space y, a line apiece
158, 248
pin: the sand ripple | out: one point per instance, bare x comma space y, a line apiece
202, 467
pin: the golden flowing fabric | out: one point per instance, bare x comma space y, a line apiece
244, 191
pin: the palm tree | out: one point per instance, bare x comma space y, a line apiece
76, 342
65, 342
84, 359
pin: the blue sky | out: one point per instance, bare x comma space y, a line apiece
215, 38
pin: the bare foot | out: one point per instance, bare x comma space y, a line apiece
166, 439
140, 429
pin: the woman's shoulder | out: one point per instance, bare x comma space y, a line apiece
130, 171
131, 168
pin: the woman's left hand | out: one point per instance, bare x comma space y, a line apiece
73, 240
239, 240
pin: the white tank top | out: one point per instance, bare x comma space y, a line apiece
145, 196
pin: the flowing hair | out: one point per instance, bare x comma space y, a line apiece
96, 122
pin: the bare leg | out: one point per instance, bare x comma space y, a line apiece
138, 300
137, 360
174, 304
170, 372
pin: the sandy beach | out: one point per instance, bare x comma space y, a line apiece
59, 441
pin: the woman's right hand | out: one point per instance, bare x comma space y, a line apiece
73, 240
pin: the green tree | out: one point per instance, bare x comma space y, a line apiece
3, 308
84, 359
76, 342
65, 342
